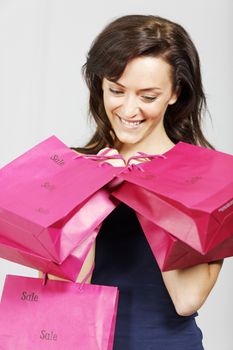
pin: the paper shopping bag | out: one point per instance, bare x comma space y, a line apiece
58, 315
188, 192
68, 269
100, 205
42, 193
171, 253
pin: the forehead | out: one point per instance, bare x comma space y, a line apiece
146, 72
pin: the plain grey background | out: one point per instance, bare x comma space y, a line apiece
43, 46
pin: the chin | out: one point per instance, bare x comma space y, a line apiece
127, 140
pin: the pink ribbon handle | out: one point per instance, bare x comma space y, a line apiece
103, 156
100, 157
82, 283
145, 155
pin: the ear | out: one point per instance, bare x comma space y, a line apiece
174, 97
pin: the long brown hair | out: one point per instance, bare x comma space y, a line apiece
132, 36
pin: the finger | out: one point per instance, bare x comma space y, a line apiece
115, 162
103, 150
111, 152
140, 159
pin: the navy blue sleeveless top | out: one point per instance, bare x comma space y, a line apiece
146, 318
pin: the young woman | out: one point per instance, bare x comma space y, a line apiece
146, 94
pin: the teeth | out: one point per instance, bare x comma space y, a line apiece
130, 123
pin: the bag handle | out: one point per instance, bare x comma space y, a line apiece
142, 155
103, 156
100, 156
87, 275
44, 278
82, 283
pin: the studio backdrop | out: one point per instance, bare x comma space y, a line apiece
43, 46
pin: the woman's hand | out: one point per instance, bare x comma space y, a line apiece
111, 152
121, 162
115, 162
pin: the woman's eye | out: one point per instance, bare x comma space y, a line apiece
115, 91
149, 98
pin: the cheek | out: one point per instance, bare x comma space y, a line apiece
156, 111
151, 111
110, 103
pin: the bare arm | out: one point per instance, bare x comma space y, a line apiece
189, 287
87, 265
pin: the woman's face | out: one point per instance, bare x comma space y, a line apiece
136, 103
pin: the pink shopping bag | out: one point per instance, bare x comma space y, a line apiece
59, 315
68, 269
99, 205
42, 194
171, 253
188, 192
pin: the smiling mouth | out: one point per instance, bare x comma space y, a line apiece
129, 124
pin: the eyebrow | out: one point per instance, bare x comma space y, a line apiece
146, 89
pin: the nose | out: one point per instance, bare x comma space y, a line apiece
129, 108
